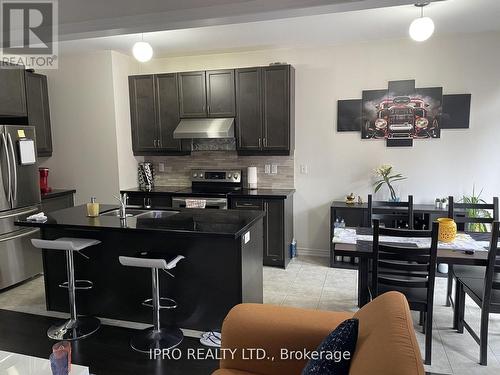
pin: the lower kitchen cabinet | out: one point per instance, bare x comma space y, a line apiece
278, 226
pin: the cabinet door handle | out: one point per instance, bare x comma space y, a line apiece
259, 143
265, 142
208, 109
159, 142
154, 142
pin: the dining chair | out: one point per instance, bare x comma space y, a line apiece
461, 213
485, 293
390, 213
411, 270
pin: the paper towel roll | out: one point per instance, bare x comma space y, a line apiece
252, 177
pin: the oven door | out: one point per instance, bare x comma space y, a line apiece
211, 203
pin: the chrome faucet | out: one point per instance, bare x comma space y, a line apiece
123, 205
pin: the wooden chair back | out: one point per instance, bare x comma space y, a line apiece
390, 212
415, 266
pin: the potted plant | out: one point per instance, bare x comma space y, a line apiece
476, 212
384, 173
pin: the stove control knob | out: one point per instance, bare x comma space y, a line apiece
195, 175
235, 176
229, 175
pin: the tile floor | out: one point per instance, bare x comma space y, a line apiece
308, 282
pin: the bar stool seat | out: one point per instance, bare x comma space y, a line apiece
76, 327
155, 337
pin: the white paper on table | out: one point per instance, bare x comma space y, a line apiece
27, 151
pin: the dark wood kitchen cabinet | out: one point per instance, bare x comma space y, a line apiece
265, 98
278, 226
220, 93
154, 114
192, 94
207, 94
249, 109
37, 99
13, 91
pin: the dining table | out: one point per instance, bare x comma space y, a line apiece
472, 252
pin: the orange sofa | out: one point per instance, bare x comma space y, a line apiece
386, 341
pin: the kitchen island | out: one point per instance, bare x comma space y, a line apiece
223, 265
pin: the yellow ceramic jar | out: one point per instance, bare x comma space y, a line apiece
447, 229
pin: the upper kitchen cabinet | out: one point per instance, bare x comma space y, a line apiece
37, 99
143, 114
277, 100
265, 110
168, 111
207, 94
192, 94
13, 92
220, 93
154, 114
249, 109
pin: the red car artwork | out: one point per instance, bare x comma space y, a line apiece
402, 117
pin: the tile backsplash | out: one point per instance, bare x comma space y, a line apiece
178, 168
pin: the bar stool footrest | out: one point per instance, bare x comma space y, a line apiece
79, 285
170, 303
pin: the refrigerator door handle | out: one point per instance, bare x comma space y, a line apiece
24, 234
14, 190
14, 214
8, 193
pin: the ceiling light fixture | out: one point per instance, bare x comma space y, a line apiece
142, 50
421, 28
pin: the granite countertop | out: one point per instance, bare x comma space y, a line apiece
189, 222
155, 190
261, 193
57, 193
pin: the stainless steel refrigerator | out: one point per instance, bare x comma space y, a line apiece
19, 198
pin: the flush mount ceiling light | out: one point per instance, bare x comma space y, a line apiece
421, 28
142, 50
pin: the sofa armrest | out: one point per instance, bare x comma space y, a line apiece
273, 328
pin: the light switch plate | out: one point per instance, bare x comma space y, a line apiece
267, 169
303, 169
274, 168
246, 237
161, 167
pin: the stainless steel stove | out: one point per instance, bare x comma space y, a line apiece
209, 186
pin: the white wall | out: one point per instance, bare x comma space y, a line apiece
122, 67
340, 163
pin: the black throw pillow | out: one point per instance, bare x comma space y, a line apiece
333, 356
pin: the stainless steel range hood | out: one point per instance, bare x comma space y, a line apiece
204, 128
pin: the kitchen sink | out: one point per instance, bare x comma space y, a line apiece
129, 212
156, 214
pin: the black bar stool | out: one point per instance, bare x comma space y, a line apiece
155, 337
76, 327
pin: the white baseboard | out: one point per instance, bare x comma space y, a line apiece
313, 252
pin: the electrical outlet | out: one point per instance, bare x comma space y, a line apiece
274, 168
303, 169
161, 167
267, 169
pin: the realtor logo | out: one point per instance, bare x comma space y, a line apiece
29, 33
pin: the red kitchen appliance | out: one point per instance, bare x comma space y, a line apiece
44, 180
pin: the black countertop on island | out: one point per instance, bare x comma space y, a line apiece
193, 222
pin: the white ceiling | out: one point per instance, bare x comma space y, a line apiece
450, 17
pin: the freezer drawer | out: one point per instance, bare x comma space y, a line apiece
19, 260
